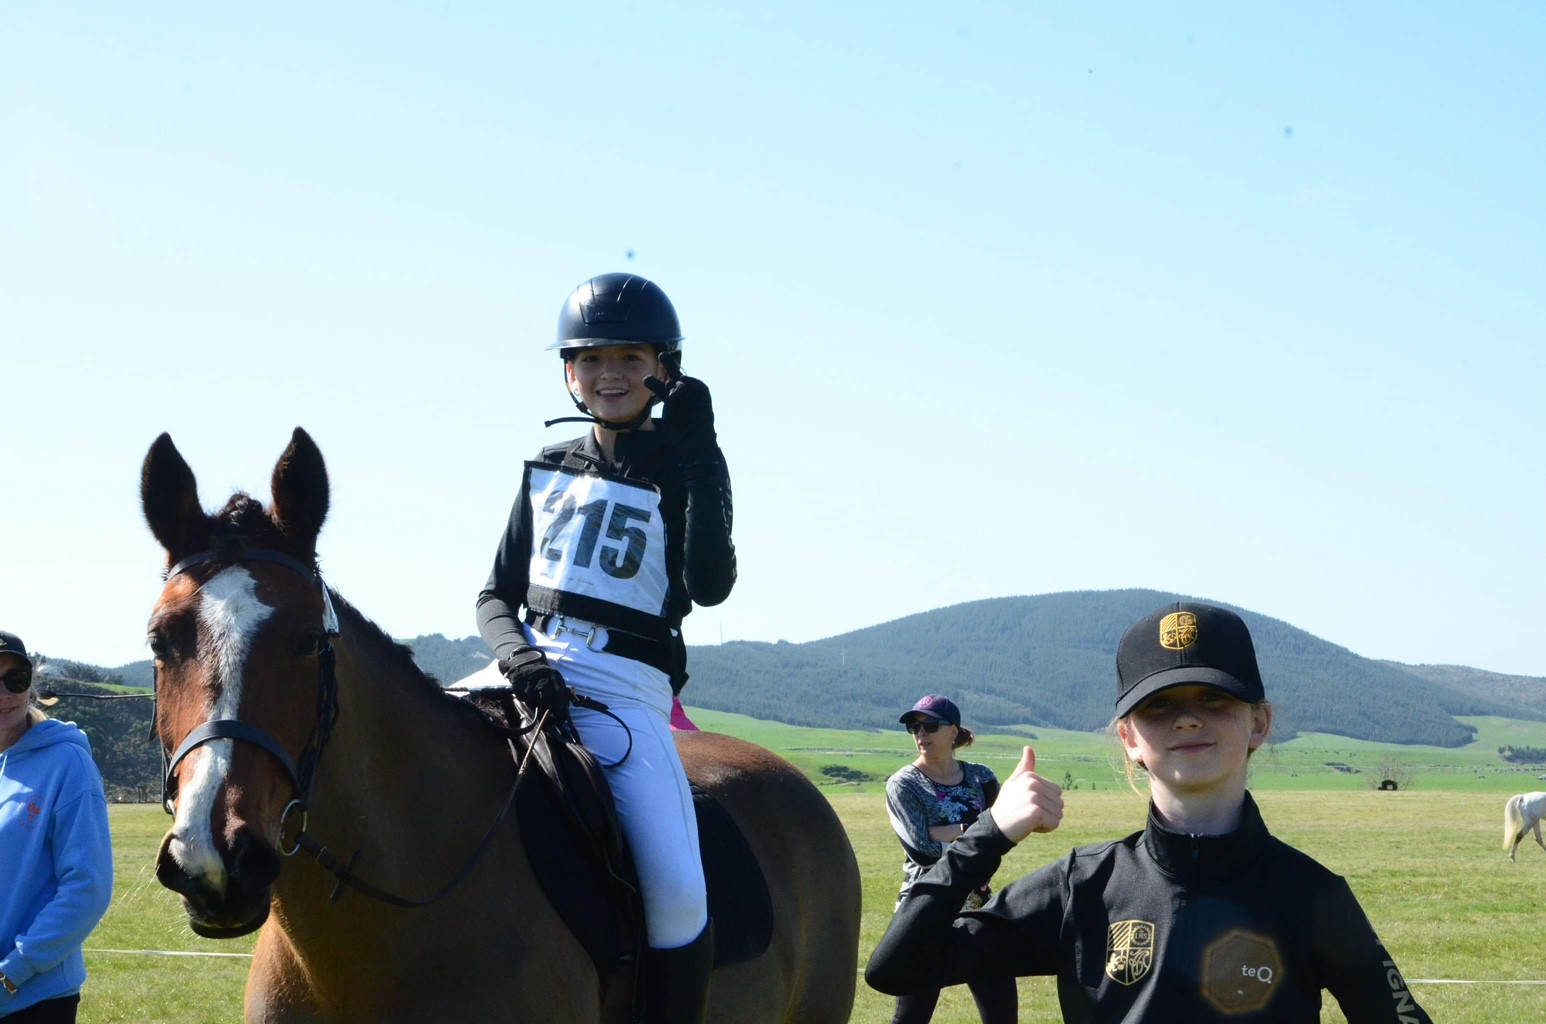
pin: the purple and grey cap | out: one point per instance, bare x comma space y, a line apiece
938, 706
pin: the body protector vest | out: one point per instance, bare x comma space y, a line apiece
598, 549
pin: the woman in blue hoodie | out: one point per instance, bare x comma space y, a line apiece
55, 848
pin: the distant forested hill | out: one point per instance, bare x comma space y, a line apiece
1525, 695
1048, 660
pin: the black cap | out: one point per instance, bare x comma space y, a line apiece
10, 643
1186, 642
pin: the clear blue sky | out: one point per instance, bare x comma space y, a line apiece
1236, 301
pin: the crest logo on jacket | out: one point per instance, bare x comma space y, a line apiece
1178, 631
1129, 951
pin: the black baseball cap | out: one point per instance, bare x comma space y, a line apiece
10, 643
1187, 642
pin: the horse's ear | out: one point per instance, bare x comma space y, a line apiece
169, 497
300, 491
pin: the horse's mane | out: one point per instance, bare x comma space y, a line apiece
399, 657
244, 523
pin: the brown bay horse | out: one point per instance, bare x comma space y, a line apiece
290, 720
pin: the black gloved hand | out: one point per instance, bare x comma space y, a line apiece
687, 417
537, 684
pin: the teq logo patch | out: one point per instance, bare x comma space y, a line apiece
1241, 971
1178, 631
1129, 951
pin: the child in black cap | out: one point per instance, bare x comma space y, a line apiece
1202, 916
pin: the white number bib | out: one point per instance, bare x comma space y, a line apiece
598, 537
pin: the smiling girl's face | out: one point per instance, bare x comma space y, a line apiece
610, 379
1194, 739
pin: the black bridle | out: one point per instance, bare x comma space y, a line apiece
301, 770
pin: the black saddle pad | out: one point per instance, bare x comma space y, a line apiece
739, 901
599, 901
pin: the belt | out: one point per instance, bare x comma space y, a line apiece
608, 639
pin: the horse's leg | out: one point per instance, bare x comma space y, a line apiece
1538, 841
277, 991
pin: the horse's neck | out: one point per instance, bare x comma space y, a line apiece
402, 752
405, 791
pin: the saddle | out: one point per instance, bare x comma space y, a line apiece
576, 848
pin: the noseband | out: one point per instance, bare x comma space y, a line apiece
300, 773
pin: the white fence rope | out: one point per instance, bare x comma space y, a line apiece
248, 956
1466, 981
165, 952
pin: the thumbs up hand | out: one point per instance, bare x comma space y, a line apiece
1027, 802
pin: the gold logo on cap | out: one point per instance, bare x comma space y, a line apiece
1178, 631
1129, 951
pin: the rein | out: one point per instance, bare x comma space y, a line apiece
302, 771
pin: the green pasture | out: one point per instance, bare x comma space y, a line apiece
1426, 862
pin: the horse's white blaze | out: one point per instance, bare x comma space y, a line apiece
229, 616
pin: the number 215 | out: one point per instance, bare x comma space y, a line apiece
619, 562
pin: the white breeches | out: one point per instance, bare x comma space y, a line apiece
649, 787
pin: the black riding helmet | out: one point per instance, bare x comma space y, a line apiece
618, 309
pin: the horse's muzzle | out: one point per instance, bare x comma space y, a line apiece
237, 908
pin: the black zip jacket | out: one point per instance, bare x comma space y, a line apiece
1157, 927
700, 557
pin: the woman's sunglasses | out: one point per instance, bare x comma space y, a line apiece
918, 725
19, 680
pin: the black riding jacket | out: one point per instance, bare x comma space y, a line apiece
700, 557
1157, 927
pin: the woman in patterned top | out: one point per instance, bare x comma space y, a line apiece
930, 803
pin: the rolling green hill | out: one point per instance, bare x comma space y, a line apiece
1049, 661
1526, 695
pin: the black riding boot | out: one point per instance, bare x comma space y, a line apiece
676, 981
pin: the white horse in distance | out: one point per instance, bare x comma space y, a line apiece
1521, 814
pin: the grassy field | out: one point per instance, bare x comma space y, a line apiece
1426, 862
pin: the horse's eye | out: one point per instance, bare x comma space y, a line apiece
159, 646
311, 645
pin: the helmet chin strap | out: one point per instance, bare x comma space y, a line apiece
633, 424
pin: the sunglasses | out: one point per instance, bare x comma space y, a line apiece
918, 725
17, 682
